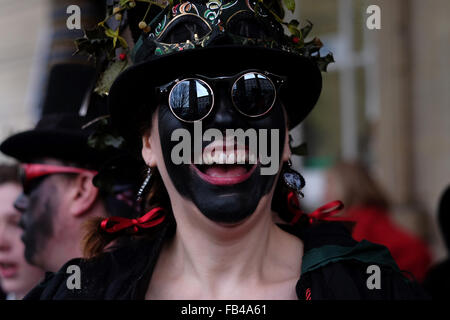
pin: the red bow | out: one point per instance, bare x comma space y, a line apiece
150, 219
325, 212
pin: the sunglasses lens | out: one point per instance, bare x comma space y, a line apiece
253, 94
28, 185
191, 99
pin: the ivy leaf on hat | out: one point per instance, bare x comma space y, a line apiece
307, 29
290, 4
104, 136
95, 44
114, 34
323, 62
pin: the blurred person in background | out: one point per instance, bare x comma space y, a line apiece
366, 204
437, 281
17, 277
58, 170
58, 193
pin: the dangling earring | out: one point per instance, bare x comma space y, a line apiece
292, 179
144, 185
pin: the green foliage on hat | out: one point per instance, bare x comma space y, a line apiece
104, 136
104, 43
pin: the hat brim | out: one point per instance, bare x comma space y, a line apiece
59, 144
135, 85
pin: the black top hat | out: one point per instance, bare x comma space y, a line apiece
59, 133
59, 136
214, 37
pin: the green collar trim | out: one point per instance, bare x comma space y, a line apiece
364, 251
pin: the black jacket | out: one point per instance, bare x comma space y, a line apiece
334, 267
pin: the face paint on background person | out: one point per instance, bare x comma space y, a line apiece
37, 219
221, 203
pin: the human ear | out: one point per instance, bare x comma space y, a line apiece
84, 194
148, 149
150, 141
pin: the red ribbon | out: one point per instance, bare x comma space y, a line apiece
308, 294
150, 219
325, 212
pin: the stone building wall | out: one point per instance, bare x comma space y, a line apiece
23, 27
413, 131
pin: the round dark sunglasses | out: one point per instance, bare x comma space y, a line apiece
253, 94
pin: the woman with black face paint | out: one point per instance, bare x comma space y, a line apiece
208, 105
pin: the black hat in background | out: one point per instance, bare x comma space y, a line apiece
63, 134
67, 88
59, 133
59, 136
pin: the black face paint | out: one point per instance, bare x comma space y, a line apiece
221, 203
37, 209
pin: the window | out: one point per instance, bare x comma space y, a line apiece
339, 125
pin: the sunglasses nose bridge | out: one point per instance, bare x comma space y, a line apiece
225, 116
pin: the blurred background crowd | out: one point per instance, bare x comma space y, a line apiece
378, 139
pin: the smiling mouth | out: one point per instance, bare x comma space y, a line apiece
221, 168
8, 270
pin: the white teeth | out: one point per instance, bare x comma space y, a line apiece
222, 158
236, 157
240, 156
210, 158
207, 158
230, 158
216, 158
